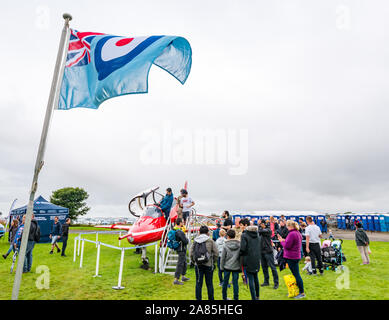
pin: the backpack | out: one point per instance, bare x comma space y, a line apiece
172, 243
200, 253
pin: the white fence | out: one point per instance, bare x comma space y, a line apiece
79, 243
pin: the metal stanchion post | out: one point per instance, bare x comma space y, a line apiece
97, 261
97, 238
79, 243
119, 287
82, 252
156, 258
75, 249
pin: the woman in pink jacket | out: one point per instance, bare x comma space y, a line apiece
292, 253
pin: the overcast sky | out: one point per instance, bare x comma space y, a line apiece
307, 80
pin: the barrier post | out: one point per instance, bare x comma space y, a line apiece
97, 238
82, 252
97, 261
119, 287
120, 235
78, 246
75, 249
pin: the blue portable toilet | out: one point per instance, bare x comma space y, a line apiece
302, 217
339, 221
234, 218
255, 219
377, 225
382, 223
365, 223
387, 221
44, 212
266, 217
343, 222
293, 218
370, 222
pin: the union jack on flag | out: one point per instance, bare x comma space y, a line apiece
79, 48
100, 66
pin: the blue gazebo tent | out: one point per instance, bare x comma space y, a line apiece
44, 212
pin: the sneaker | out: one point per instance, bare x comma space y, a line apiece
4, 256
300, 296
58, 250
275, 287
51, 252
178, 282
184, 278
63, 255
264, 284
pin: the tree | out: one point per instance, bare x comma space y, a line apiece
73, 199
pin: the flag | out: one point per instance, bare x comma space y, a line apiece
100, 66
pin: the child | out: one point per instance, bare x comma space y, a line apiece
230, 263
308, 265
220, 245
331, 237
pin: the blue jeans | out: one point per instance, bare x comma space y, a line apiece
28, 258
235, 277
11, 248
253, 284
201, 272
294, 267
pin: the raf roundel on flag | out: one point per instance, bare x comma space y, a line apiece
100, 66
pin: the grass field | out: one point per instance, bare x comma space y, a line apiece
68, 281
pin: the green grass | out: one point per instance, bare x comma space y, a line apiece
68, 281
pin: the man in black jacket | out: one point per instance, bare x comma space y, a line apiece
65, 235
181, 252
34, 227
267, 256
250, 251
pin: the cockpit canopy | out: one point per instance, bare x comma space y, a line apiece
152, 211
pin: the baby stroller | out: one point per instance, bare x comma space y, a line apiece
332, 254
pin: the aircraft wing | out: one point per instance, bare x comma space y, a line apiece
115, 226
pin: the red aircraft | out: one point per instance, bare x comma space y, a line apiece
151, 222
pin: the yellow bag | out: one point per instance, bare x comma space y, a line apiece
290, 282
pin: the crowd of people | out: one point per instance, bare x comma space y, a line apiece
241, 249
58, 231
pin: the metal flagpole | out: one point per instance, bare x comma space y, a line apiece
53, 100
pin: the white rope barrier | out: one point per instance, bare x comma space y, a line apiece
79, 243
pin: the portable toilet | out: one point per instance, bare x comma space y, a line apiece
387, 222
339, 221
377, 225
370, 222
255, 219
382, 223
293, 218
266, 217
302, 217
358, 218
343, 222
365, 223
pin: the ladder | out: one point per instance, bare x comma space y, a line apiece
168, 258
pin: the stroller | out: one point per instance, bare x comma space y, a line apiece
332, 254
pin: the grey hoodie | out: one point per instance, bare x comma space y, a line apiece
211, 248
230, 260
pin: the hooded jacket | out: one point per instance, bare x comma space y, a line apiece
361, 237
250, 249
166, 203
211, 248
182, 239
230, 260
220, 244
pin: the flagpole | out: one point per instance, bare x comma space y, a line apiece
52, 102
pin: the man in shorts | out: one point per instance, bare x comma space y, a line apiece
55, 234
